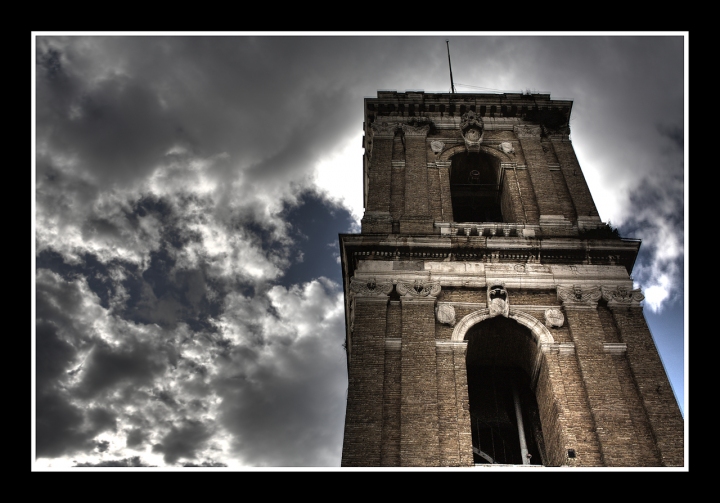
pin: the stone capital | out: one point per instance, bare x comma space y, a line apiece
418, 289
622, 296
370, 287
384, 129
527, 131
577, 296
419, 131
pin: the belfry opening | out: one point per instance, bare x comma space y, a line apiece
504, 419
475, 187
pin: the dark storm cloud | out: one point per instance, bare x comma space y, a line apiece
110, 369
183, 441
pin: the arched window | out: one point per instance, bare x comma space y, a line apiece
504, 415
475, 188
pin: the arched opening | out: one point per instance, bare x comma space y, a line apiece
505, 421
475, 187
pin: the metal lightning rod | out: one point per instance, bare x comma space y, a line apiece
452, 85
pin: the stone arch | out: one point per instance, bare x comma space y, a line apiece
476, 184
504, 158
502, 376
541, 335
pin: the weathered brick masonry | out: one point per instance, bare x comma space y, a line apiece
490, 314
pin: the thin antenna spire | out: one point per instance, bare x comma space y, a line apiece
452, 85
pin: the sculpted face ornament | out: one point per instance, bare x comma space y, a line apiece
472, 127
498, 300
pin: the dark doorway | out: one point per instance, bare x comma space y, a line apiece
505, 422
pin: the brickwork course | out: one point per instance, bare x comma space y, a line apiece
539, 298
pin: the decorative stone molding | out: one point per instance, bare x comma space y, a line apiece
563, 348
472, 129
527, 131
445, 313
393, 343
498, 301
437, 146
416, 130
554, 318
450, 346
579, 296
615, 348
418, 288
622, 296
370, 287
384, 129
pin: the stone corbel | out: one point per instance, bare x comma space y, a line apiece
579, 296
622, 296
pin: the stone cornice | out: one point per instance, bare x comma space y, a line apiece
480, 275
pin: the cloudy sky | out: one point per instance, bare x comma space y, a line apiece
189, 192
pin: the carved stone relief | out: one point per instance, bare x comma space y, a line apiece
554, 318
472, 128
445, 313
506, 147
437, 146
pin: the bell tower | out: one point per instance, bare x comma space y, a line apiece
490, 313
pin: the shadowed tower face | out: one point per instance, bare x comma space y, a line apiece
490, 313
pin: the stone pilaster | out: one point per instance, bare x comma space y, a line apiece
657, 397
574, 179
455, 437
416, 218
377, 212
540, 175
366, 373
443, 168
612, 421
419, 442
